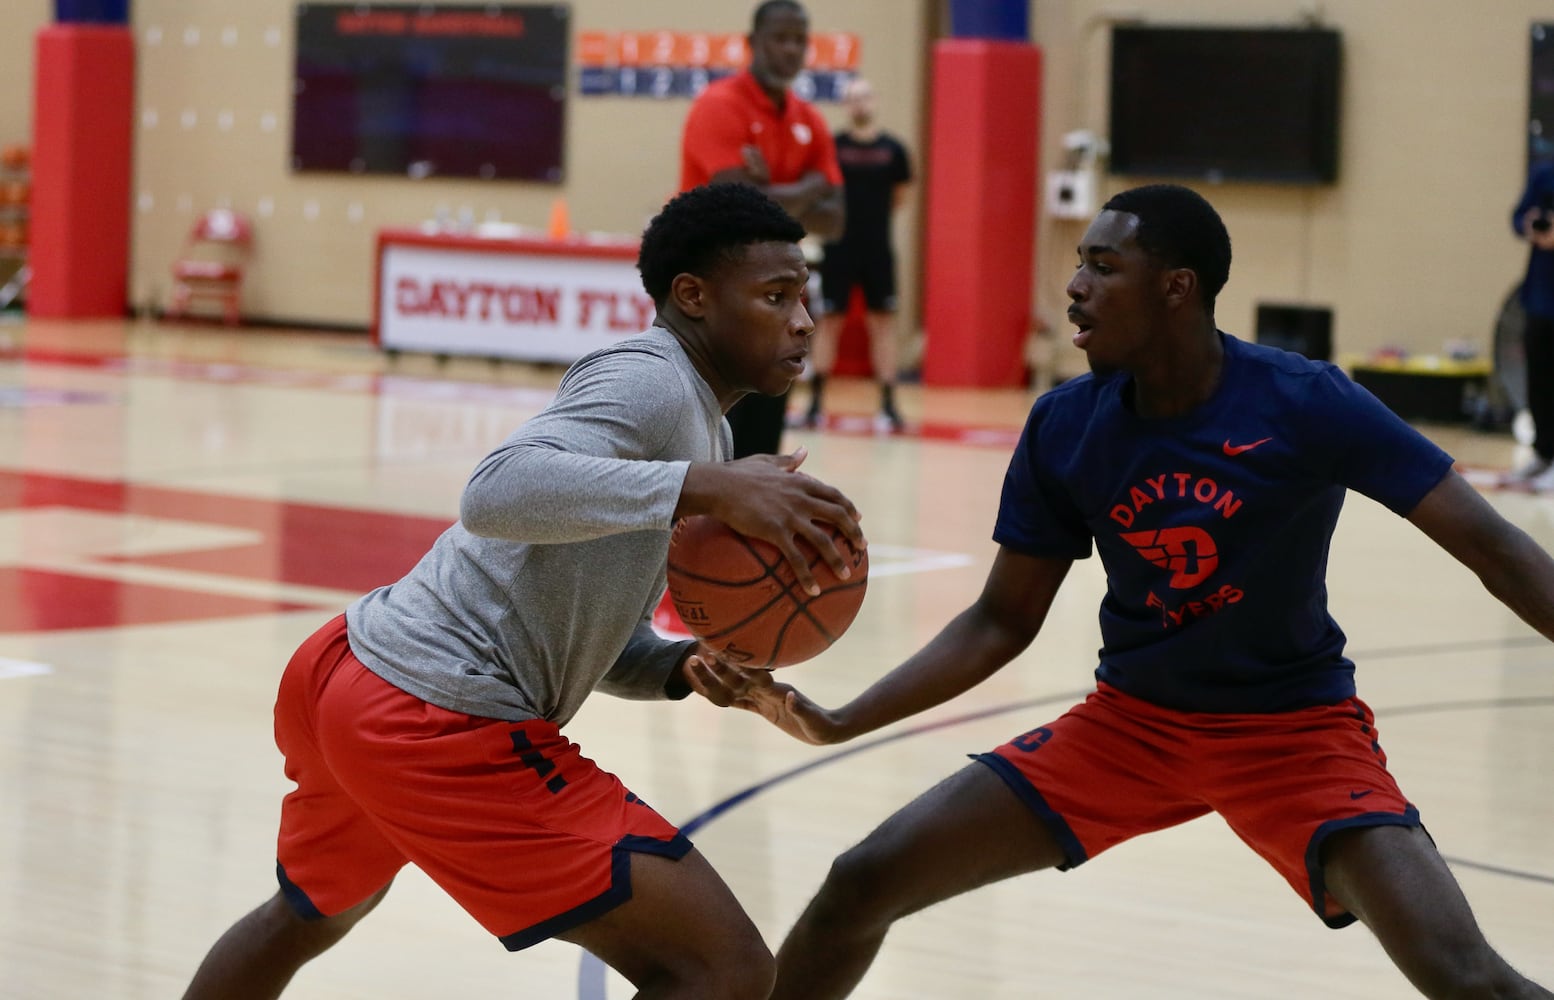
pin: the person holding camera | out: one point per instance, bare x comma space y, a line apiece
1533, 220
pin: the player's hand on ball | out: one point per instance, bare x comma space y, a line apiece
754, 690
766, 497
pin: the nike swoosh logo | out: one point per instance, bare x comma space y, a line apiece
1360, 795
1236, 449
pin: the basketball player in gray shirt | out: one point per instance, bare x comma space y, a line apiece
424, 725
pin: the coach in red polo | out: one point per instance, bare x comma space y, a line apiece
749, 127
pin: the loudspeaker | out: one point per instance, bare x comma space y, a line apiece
91, 11
1006, 20
1305, 330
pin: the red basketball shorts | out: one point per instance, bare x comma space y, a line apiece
509, 818
1115, 767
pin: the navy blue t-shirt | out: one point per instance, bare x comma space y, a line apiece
1214, 526
1537, 290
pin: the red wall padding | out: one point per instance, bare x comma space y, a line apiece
83, 116
985, 127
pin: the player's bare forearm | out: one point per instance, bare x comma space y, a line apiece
755, 690
971, 648
975, 644
1521, 575
1511, 565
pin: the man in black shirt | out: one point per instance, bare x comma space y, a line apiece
875, 172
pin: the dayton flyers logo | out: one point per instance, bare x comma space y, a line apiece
1189, 553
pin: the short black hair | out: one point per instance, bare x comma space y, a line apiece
770, 7
707, 226
1179, 228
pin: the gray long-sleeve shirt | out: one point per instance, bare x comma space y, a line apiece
545, 588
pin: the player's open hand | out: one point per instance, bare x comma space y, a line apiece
753, 690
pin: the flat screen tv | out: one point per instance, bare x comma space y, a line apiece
1540, 97
1242, 104
457, 90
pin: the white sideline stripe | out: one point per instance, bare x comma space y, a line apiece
898, 560
208, 583
22, 668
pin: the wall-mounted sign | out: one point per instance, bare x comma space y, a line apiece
665, 64
451, 90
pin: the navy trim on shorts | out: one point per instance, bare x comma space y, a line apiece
1408, 818
298, 899
619, 891
1073, 851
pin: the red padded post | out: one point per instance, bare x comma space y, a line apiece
82, 162
985, 127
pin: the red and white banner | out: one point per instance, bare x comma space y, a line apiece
834, 50
530, 300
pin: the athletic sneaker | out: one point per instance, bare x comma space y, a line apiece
1535, 468
1543, 482
888, 422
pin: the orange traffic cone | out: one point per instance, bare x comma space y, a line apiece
560, 224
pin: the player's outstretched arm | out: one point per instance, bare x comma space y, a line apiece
1511, 565
766, 497
972, 647
976, 644
755, 690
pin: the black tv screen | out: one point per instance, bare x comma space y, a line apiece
1251, 104
1540, 97
467, 90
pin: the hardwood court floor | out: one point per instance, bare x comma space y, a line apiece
183, 505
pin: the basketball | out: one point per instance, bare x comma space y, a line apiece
740, 596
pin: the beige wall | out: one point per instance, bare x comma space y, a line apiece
1411, 246
315, 232
22, 19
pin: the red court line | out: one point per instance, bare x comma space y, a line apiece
33, 600
302, 544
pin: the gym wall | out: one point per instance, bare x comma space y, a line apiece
1410, 247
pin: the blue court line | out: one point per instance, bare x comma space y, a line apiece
1498, 870
1437, 648
591, 972
738, 798
1431, 707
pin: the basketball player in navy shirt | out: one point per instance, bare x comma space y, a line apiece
1209, 474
